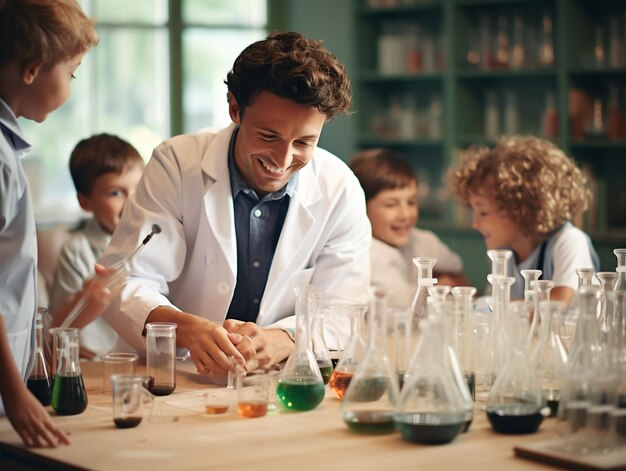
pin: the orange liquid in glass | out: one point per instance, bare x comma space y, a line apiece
339, 382
215, 409
251, 410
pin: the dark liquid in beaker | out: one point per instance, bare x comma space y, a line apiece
431, 429
470, 380
466, 424
68, 395
159, 389
369, 389
369, 422
553, 404
514, 419
300, 396
128, 422
41, 388
339, 383
326, 371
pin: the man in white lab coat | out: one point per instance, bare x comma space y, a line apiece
247, 213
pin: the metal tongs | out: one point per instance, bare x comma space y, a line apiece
120, 271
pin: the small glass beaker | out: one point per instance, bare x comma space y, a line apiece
161, 357
116, 364
69, 396
252, 395
218, 400
129, 397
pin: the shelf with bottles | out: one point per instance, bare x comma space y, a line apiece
378, 7
507, 37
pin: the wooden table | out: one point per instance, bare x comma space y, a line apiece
314, 440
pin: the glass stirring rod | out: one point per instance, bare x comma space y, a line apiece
119, 273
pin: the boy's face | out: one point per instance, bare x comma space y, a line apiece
494, 224
276, 138
393, 214
108, 196
48, 88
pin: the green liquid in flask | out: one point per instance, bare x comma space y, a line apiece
370, 422
326, 371
68, 395
300, 396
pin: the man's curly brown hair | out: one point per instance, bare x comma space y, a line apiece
531, 179
293, 67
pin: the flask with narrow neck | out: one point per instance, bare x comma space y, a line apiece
318, 342
39, 381
301, 386
69, 396
463, 335
514, 403
419, 305
501, 303
372, 395
542, 293
550, 356
353, 353
608, 280
499, 262
621, 269
431, 408
530, 296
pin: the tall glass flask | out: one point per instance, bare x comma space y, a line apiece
608, 280
39, 382
463, 335
353, 353
318, 343
372, 395
419, 305
530, 296
621, 269
514, 403
301, 386
500, 332
69, 396
542, 293
430, 409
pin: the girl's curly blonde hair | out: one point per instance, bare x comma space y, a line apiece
531, 179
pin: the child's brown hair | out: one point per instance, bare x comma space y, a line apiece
531, 179
381, 169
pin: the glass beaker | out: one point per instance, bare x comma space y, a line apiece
371, 397
430, 409
161, 357
463, 335
129, 397
39, 382
301, 386
252, 391
550, 356
69, 396
318, 343
514, 404
608, 280
354, 351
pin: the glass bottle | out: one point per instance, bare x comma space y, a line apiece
430, 409
500, 332
69, 396
499, 262
372, 395
353, 353
514, 403
608, 280
419, 305
301, 386
39, 382
318, 343
530, 296
550, 356
621, 269
542, 290
161, 357
463, 327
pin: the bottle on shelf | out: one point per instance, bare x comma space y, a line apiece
615, 120
550, 119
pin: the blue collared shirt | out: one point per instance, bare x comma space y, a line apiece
258, 224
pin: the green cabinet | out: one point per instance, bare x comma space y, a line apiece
435, 76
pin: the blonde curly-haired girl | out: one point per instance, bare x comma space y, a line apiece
524, 193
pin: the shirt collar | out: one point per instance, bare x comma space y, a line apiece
238, 184
11, 128
98, 238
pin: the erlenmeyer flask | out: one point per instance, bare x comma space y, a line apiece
301, 386
617, 344
530, 296
514, 403
419, 305
318, 343
499, 335
542, 293
463, 333
585, 277
353, 353
430, 409
69, 396
621, 269
499, 262
372, 395
39, 381
608, 280
550, 356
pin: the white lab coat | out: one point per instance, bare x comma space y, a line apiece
192, 264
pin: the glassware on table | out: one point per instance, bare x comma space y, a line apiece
430, 409
301, 386
501, 320
620, 269
542, 293
217, 401
608, 280
252, 395
318, 343
354, 351
530, 296
129, 397
550, 356
484, 374
161, 357
372, 395
401, 342
39, 382
514, 404
69, 396
463, 333
115, 363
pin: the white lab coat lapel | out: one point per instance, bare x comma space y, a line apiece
218, 202
290, 251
